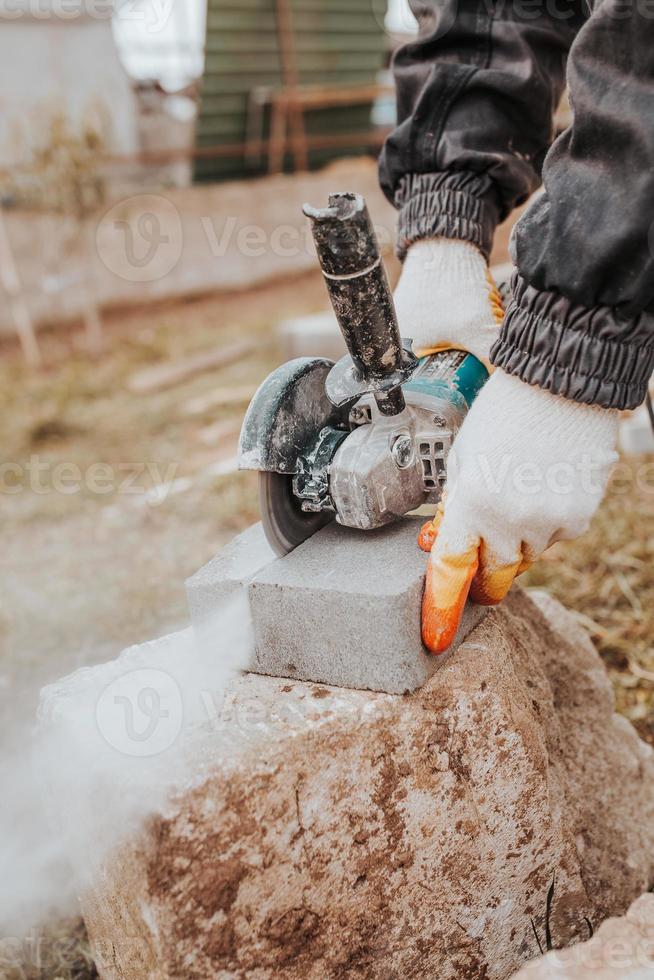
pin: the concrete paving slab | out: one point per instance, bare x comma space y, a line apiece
344, 609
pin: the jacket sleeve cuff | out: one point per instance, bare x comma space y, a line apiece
447, 204
589, 355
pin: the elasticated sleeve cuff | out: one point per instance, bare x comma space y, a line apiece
458, 205
594, 355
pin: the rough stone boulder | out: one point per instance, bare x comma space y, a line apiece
331, 833
622, 949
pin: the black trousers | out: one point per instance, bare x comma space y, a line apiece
476, 95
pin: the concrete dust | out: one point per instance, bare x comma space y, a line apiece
112, 734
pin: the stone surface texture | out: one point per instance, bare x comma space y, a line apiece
622, 949
327, 833
343, 608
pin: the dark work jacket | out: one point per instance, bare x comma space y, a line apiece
476, 94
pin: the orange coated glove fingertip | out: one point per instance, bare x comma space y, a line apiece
429, 530
427, 536
491, 585
440, 624
437, 635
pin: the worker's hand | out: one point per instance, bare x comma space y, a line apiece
528, 468
446, 297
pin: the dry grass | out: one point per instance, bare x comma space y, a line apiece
607, 578
59, 952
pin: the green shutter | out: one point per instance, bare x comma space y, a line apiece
337, 42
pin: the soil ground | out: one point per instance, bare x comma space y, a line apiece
85, 573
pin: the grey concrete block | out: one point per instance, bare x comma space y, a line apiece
212, 587
344, 609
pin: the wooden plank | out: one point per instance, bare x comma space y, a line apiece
220, 431
219, 398
11, 283
171, 373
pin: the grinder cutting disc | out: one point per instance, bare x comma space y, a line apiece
283, 426
285, 523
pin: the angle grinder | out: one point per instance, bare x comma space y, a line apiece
365, 440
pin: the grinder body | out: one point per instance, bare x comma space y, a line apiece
363, 441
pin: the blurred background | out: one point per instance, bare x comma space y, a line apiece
154, 267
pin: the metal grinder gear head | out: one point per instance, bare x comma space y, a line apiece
363, 441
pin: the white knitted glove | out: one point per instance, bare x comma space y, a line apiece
446, 297
528, 468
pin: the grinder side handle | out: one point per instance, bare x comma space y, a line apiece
360, 294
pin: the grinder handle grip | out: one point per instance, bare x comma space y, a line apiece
360, 294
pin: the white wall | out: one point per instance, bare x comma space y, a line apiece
162, 39
51, 62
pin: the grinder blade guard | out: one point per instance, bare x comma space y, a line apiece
363, 441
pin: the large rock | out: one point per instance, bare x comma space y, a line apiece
622, 949
331, 833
